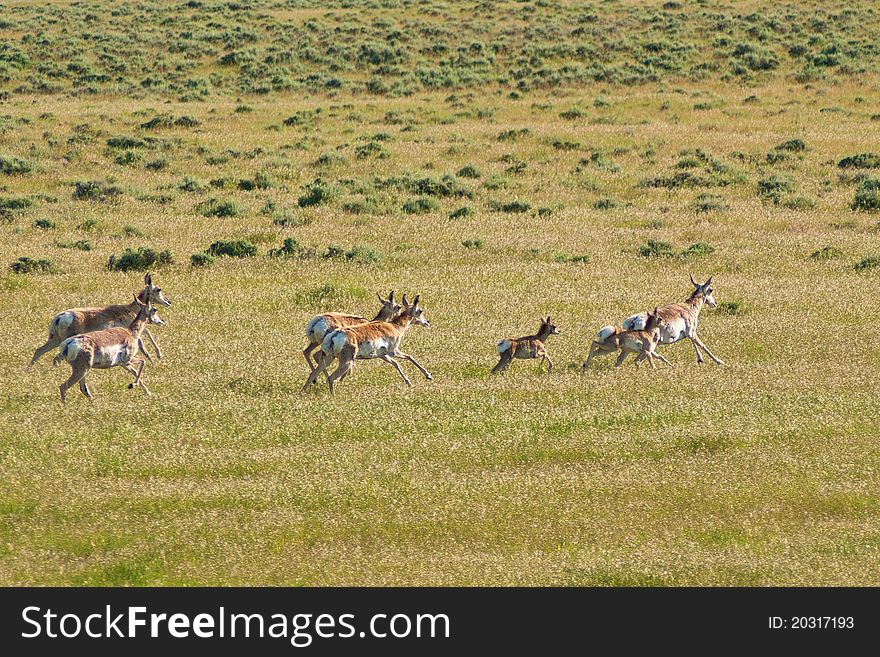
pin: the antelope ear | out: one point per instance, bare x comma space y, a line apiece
391, 297
138, 301
148, 280
405, 302
693, 282
706, 284
380, 297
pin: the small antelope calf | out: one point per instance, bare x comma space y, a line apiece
318, 327
367, 341
529, 346
107, 348
75, 321
679, 320
639, 341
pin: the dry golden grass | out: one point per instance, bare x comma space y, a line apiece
766, 471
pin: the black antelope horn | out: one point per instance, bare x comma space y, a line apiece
693, 282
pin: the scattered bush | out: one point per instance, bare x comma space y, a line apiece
798, 203
201, 260
12, 166
791, 146
420, 205
826, 253
774, 188
698, 249
217, 208
606, 204
156, 165
656, 249
513, 207
10, 204
288, 249
44, 224
573, 114
860, 161
80, 245
709, 203
26, 265
473, 243
287, 220
733, 307
867, 195
464, 211
870, 262
232, 248
468, 171
95, 190
317, 193
124, 143
140, 260
563, 258
190, 184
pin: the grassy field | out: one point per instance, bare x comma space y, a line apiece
505, 160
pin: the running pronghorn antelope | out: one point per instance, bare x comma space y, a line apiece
375, 339
529, 346
679, 320
640, 341
85, 320
107, 348
318, 327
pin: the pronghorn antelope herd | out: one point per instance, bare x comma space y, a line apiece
110, 336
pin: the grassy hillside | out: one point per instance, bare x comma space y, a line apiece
506, 160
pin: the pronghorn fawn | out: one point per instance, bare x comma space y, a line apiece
320, 326
107, 348
75, 321
367, 341
679, 320
529, 346
642, 341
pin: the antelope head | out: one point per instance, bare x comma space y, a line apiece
415, 311
390, 308
704, 290
548, 327
154, 294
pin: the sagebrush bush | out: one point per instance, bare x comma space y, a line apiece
232, 248
317, 193
219, 208
13, 166
860, 161
464, 211
27, 265
656, 249
95, 190
867, 196
201, 260
869, 262
421, 205
139, 260
826, 253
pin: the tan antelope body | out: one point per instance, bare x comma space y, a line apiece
368, 341
318, 327
75, 321
641, 341
679, 320
113, 347
529, 346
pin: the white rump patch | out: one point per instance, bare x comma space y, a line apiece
317, 328
604, 333
635, 322
62, 322
502, 346
70, 349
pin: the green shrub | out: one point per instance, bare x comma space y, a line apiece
799, 203
26, 265
860, 161
564, 258
606, 204
361, 206
420, 205
473, 243
733, 307
773, 188
464, 211
217, 208
826, 253
867, 195
80, 245
791, 146
289, 248
122, 143
870, 262
698, 249
232, 248
44, 224
201, 260
10, 204
190, 184
288, 220
12, 166
95, 190
139, 260
656, 249
573, 114
513, 207
156, 165
363, 254
709, 203
317, 193
468, 171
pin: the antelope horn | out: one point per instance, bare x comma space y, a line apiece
695, 284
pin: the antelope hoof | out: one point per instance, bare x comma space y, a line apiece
130, 386
429, 377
